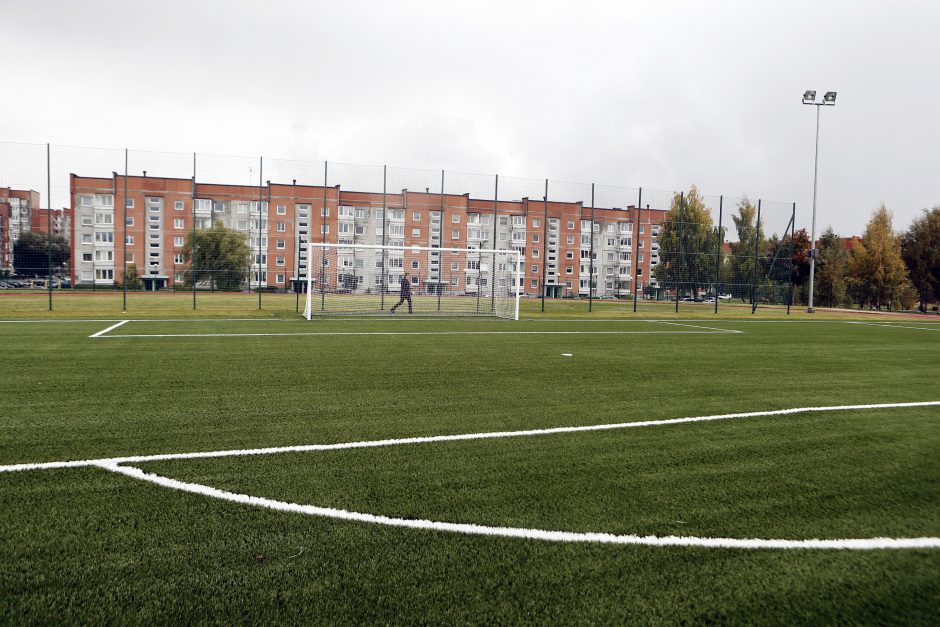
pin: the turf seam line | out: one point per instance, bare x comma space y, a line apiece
526, 533
892, 325
487, 435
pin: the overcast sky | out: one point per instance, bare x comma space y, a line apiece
659, 94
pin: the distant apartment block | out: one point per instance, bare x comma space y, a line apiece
561, 247
16, 208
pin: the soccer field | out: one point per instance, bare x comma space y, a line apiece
576, 469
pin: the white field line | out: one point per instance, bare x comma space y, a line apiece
113, 326
889, 325
696, 326
523, 533
489, 435
353, 333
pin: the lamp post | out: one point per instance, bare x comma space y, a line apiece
829, 100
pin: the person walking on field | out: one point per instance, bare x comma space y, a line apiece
405, 293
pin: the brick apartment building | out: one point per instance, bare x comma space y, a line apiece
279, 219
17, 207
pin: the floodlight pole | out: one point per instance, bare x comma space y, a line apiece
807, 100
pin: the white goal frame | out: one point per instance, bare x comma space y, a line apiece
516, 289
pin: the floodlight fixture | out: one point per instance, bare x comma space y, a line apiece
829, 99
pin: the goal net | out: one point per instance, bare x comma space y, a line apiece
370, 280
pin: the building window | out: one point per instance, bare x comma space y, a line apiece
129, 220
535, 269
280, 244
455, 234
104, 200
536, 223
569, 254
415, 264
102, 217
453, 265
87, 220
86, 201
86, 238
324, 212
570, 224
178, 240
455, 218
129, 240
535, 253
639, 258
569, 269
178, 223
104, 237
86, 256
282, 211
281, 227
642, 229
535, 283
416, 232
242, 225
416, 216
178, 258
179, 205
129, 203
570, 240
279, 261
324, 229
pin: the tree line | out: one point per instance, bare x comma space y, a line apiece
883, 270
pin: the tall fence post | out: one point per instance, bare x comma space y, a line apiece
260, 222
591, 260
124, 253
493, 262
721, 237
756, 253
635, 264
681, 207
192, 253
49, 223
385, 232
323, 228
542, 282
792, 249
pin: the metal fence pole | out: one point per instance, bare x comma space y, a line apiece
591, 259
385, 232
721, 237
676, 280
493, 262
192, 253
260, 204
49, 222
756, 253
792, 249
124, 254
545, 218
323, 227
636, 264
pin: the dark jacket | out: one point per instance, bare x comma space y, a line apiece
405, 287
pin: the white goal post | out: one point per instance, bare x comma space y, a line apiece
373, 280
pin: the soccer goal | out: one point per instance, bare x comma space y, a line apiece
371, 280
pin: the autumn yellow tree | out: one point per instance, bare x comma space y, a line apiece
877, 272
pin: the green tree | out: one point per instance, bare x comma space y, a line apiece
132, 276
218, 256
31, 253
877, 271
740, 267
832, 269
687, 244
920, 249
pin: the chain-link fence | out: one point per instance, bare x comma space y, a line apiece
156, 231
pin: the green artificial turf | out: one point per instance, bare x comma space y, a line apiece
86, 545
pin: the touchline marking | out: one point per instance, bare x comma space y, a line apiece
865, 544
487, 435
353, 333
113, 326
889, 325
